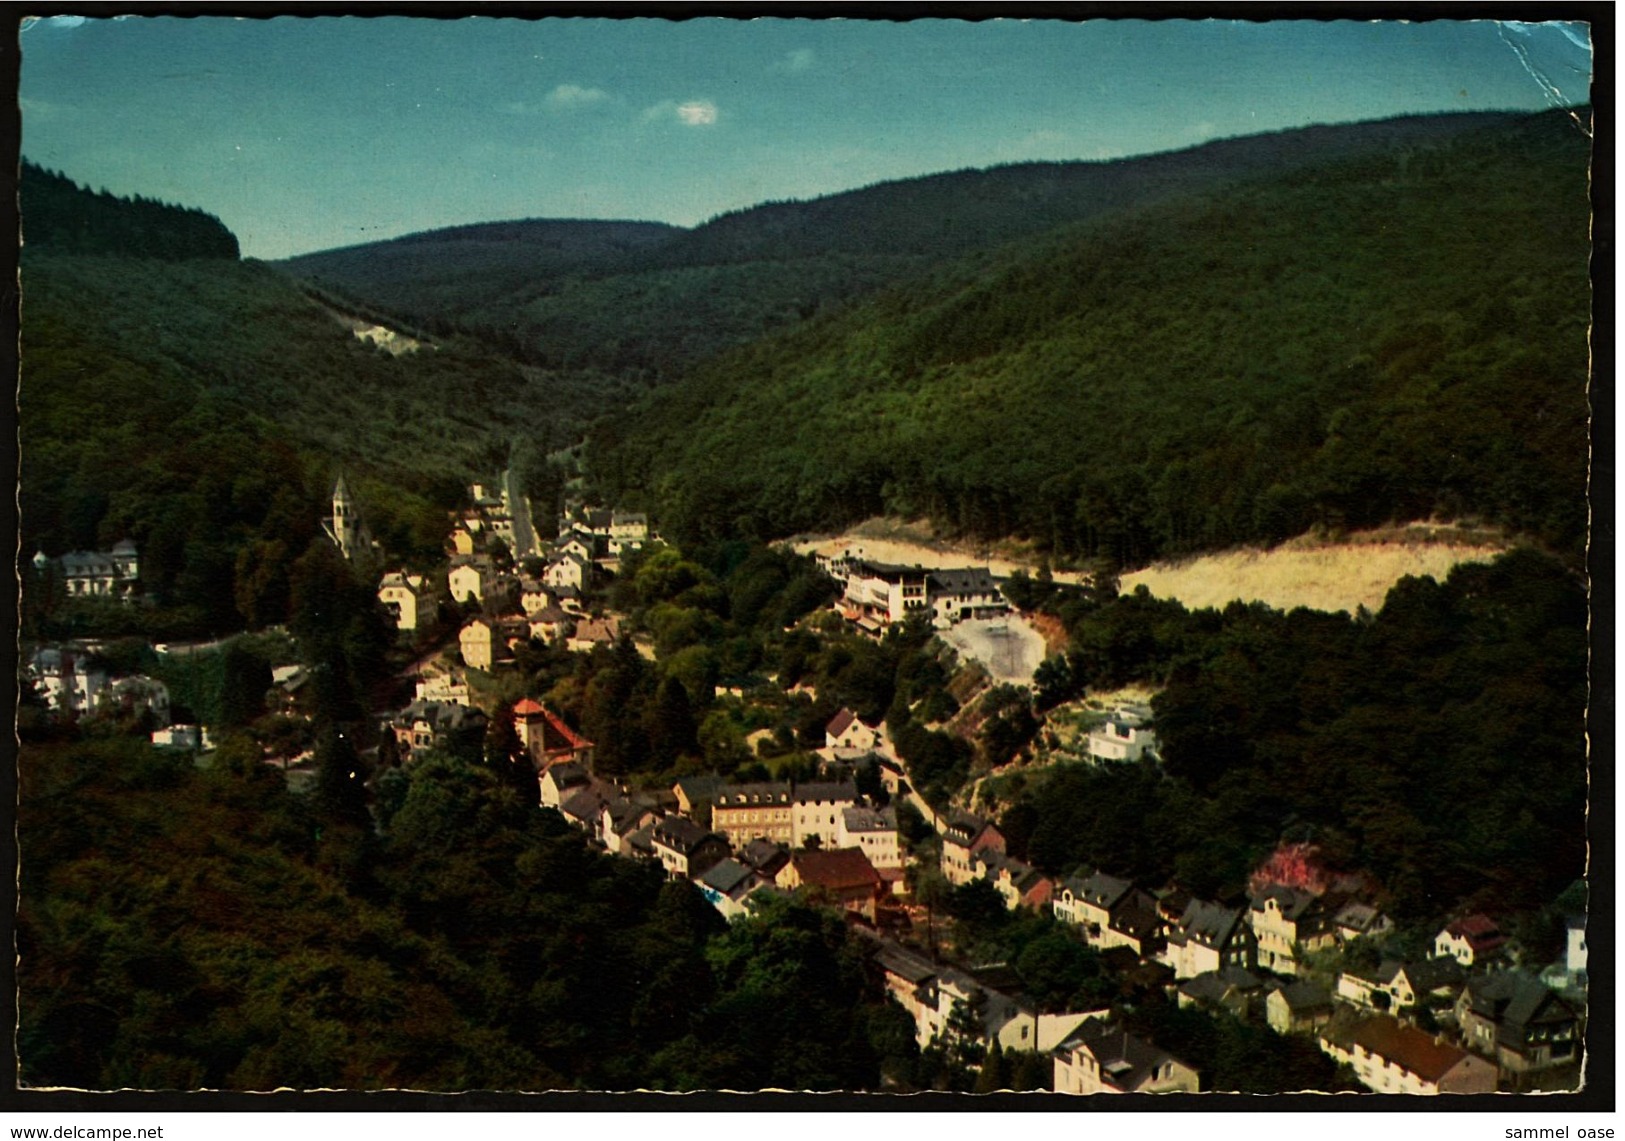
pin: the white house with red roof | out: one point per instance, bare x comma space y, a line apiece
1470, 940
846, 731
546, 737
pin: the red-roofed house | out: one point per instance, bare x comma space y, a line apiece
1470, 940
547, 738
1390, 1057
845, 731
842, 875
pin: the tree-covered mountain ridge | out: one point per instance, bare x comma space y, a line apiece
1394, 336
64, 217
652, 301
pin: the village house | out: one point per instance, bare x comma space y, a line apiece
1389, 1057
841, 876
1109, 912
1358, 920
533, 596
1208, 937
1298, 1008
621, 817
289, 684
872, 830
765, 858
568, 570
963, 836
815, 811
628, 531
685, 849
409, 598
1125, 735
561, 781
478, 642
1104, 1058
727, 884
461, 540
585, 806
1287, 922
438, 685
66, 680
591, 632
1232, 989
845, 731
96, 574
745, 812
425, 725
1520, 1022
1471, 941
470, 580
549, 625
694, 792
942, 999
1396, 986
1019, 884
968, 592
547, 738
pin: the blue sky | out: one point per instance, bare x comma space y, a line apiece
309, 133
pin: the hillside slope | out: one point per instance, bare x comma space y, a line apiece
1387, 337
652, 302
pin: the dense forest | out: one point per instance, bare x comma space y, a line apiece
66, 218
1379, 338
1434, 744
648, 303
183, 929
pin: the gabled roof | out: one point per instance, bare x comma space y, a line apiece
1480, 932
840, 722
1433, 974
819, 792
1418, 1052
1517, 999
566, 774
682, 835
699, 787
1302, 997
763, 792
965, 580
869, 820
905, 964
963, 828
1209, 923
765, 856
1126, 1062
1104, 891
1293, 902
1136, 915
835, 869
587, 804
1215, 986
726, 876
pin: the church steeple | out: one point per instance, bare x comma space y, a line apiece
345, 529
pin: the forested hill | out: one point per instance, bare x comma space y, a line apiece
61, 216
651, 302
204, 407
1385, 336
431, 275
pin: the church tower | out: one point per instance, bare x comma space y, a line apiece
345, 530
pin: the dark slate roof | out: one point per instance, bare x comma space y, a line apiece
681, 834
1212, 986
963, 828
965, 580
567, 774
1209, 923
726, 876
1302, 997
701, 787
1434, 974
584, 805
1105, 891
1516, 999
860, 819
1136, 916
765, 856
1126, 1061
738, 795
905, 964
1294, 902
821, 791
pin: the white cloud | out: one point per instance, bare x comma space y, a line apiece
568, 96
796, 61
697, 113
692, 113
